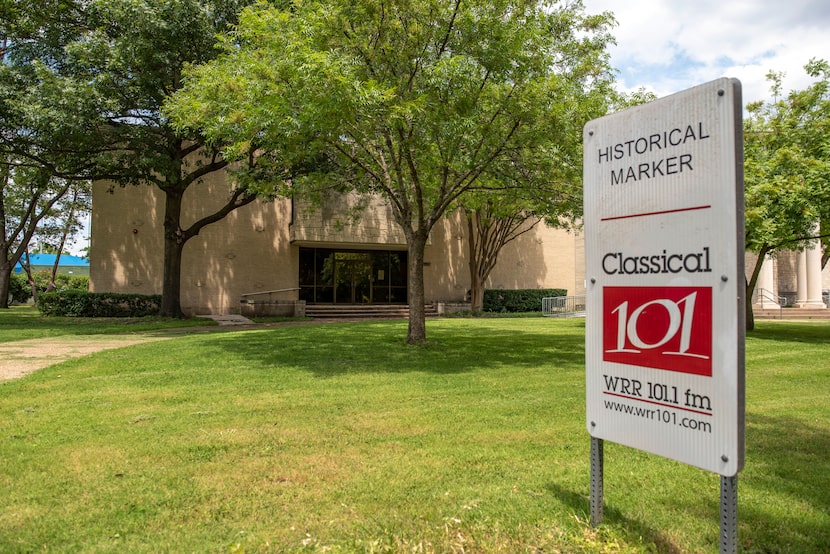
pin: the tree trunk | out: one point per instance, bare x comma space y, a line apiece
750, 287
476, 295
53, 275
174, 240
750, 315
64, 234
417, 333
27, 267
476, 284
5, 282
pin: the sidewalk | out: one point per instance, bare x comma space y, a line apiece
26, 356
23, 357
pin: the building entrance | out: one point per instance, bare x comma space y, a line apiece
353, 278
329, 276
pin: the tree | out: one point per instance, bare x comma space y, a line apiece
82, 89
63, 224
496, 218
787, 170
27, 196
418, 101
488, 231
509, 208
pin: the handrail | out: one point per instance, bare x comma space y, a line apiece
268, 292
765, 294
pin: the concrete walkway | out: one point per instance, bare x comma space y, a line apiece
230, 319
25, 356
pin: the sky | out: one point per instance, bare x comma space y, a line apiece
667, 46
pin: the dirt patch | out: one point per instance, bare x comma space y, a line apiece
23, 357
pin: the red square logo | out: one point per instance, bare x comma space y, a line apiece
659, 327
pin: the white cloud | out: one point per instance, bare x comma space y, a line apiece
669, 45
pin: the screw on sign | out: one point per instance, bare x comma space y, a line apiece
666, 328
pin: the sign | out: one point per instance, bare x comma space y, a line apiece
663, 187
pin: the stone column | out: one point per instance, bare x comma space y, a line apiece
765, 297
813, 255
810, 261
801, 279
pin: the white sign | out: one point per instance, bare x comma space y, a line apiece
664, 243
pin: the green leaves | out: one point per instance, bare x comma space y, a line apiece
787, 164
421, 97
419, 101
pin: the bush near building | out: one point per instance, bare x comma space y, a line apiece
519, 300
78, 303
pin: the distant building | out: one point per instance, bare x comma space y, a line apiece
68, 264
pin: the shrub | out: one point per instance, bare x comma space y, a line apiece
519, 300
62, 281
77, 303
19, 289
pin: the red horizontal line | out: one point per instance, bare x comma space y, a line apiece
638, 399
656, 213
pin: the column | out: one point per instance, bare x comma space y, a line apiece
765, 297
813, 256
801, 279
809, 285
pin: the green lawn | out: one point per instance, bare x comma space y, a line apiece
340, 438
26, 322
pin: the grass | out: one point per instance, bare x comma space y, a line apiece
26, 322
340, 438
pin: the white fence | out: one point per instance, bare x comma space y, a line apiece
564, 306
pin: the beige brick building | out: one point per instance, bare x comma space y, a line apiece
283, 252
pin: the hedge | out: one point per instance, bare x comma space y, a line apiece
75, 303
519, 300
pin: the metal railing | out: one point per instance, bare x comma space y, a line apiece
760, 296
564, 306
268, 292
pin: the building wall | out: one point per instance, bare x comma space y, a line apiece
256, 248
541, 258
247, 252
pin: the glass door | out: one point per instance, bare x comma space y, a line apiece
353, 278
327, 276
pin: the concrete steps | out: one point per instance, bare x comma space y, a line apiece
793, 313
363, 311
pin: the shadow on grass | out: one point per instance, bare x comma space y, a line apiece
634, 531
787, 477
787, 471
817, 332
333, 349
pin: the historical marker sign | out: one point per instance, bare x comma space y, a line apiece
665, 292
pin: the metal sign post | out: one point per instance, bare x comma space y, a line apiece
664, 243
597, 468
729, 514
